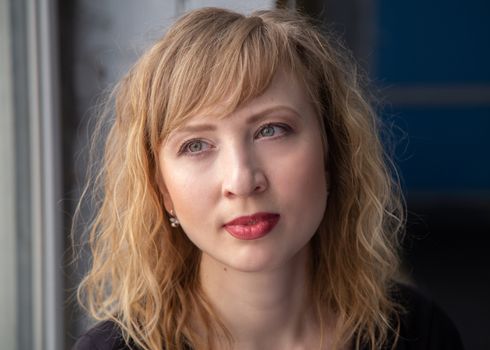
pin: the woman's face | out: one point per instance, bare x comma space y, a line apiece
250, 189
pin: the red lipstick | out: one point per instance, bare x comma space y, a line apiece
252, 227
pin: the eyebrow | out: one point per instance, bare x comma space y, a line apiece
262, 114
251, 120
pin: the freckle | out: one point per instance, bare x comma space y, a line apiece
225, 269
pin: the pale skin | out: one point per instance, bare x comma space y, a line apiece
266, 156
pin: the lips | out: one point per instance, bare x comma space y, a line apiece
253, 226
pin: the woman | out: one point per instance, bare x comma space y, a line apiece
247, 203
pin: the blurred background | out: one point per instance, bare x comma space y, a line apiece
427, 61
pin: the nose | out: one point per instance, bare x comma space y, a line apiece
243, 174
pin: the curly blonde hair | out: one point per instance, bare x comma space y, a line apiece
144, 275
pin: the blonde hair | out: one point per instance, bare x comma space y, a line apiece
144, 275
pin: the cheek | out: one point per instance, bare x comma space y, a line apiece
305, 171
191, 192
304, 182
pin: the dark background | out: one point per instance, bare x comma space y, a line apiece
430, 63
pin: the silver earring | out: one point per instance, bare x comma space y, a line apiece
174, 222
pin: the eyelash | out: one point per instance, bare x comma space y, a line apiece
286, 130
184, 148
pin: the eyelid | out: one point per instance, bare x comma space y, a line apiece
287, 129
182, 149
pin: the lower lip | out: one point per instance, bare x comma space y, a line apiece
258, 230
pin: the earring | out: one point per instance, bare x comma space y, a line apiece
174, 222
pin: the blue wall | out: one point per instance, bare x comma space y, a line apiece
440, 44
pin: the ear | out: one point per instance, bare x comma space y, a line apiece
167, 201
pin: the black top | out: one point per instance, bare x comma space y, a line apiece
424, 326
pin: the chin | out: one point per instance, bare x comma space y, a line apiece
259, 259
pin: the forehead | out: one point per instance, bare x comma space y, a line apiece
285, 87
285, 92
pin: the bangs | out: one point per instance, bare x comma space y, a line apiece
228, 62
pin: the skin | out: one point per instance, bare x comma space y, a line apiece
266, 156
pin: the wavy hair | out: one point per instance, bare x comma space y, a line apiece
144, 274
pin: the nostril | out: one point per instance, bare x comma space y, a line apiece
245, 187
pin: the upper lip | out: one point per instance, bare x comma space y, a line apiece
251, 219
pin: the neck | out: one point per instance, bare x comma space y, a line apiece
263, 310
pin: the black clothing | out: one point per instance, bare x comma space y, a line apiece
103, 336
424, 326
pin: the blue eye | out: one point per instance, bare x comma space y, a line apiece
273, 130
194, 147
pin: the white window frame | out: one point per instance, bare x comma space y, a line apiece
31, 303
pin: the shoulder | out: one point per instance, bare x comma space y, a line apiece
105, 335
424, 325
